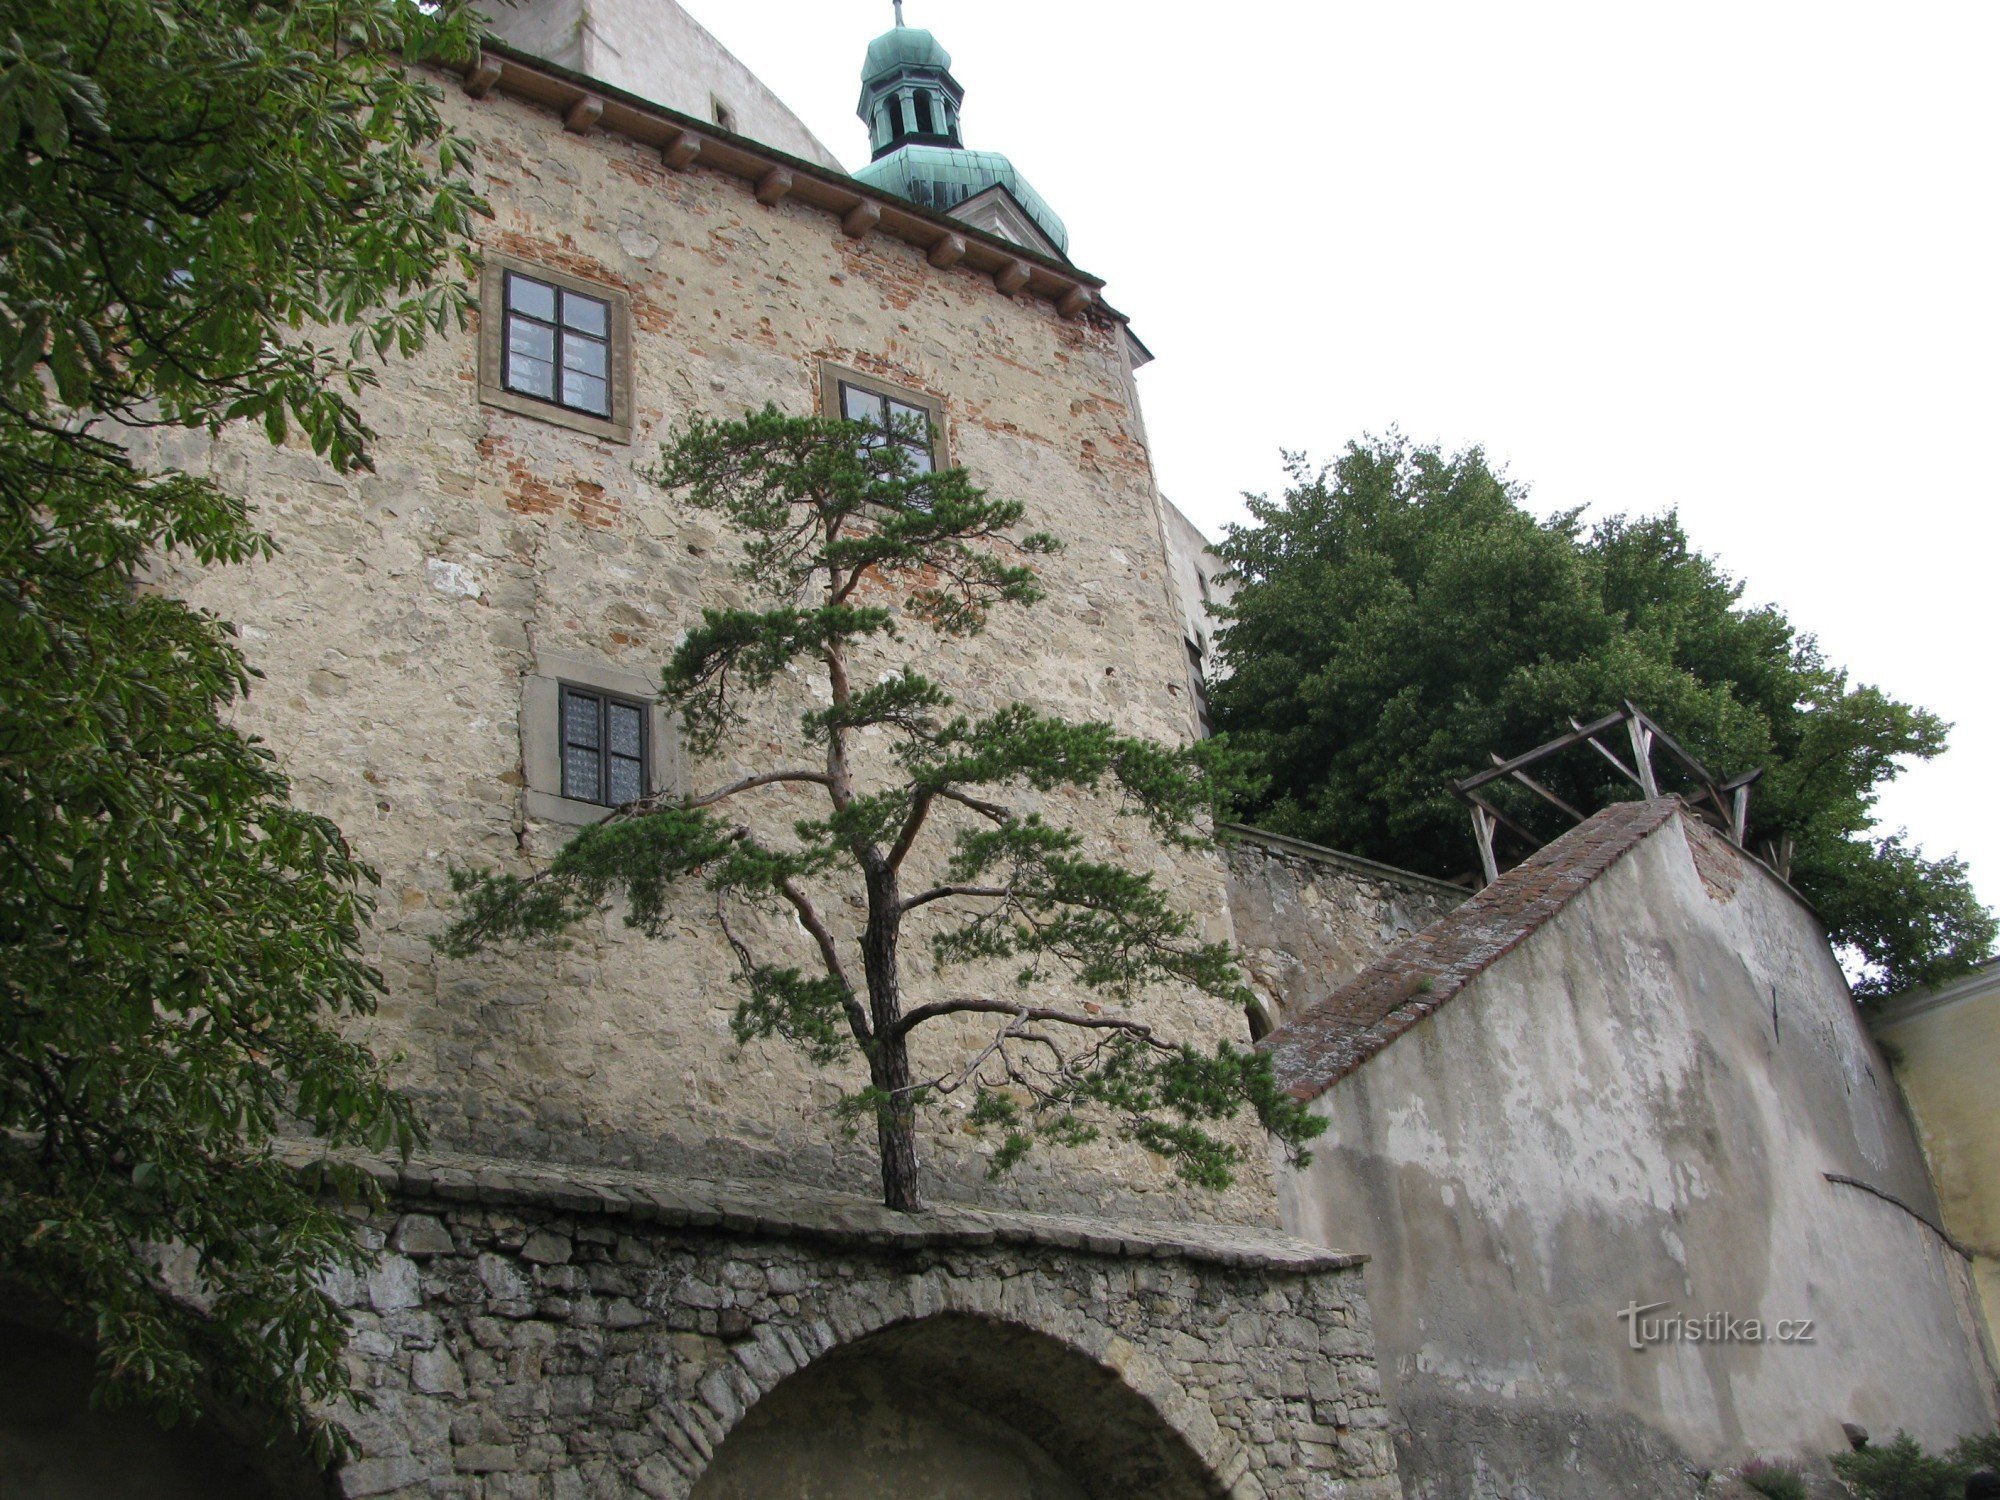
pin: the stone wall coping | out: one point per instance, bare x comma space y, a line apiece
1284, 843
794, 1211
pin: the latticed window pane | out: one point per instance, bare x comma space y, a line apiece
625, 730
582, 774
627, 782
580, 712
604, 747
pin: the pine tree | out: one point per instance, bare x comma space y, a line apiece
850, 552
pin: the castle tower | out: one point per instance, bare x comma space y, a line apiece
910, 104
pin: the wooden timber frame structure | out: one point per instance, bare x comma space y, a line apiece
1725, 805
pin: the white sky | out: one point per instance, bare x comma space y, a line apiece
1739, 258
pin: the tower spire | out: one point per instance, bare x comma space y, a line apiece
899, 12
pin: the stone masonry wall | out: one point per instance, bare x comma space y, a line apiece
397, 626
1309, 919
537, 1337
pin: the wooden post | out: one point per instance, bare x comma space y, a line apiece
1642, 756
1739, 815
485, 73
773, 185
1482, 830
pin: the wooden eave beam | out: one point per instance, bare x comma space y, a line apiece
501, 69
1507, 768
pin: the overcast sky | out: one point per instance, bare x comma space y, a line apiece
1736, 258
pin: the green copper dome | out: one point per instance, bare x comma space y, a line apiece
942, 177
903, 47
909, 101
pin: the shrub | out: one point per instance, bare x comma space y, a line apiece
1775, 1478
1902, 1470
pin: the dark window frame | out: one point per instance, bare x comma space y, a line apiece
888, 402
832, 377
492, 348
605, 701
561, 333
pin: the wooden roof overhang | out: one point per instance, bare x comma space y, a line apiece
684, 143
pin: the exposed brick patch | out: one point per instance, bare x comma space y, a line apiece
532, 493
647, 314
1719, 866
1336, 1036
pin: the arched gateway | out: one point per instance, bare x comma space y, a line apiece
617, 1336
956, 1405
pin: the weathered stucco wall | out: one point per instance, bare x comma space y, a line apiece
408, 606
532, 1336
656, 50
1640, 1103
1309, 919
1946, 1050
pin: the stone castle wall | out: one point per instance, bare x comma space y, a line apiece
408, 608
1309, 919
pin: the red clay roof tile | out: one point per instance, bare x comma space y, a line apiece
1340, 1033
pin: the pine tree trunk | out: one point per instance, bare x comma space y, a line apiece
889, 1066
896, 1130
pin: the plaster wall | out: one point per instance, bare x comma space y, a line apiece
1197, 578
1947, 1050
658, 51
870, 1435
1641, 1103
409, 606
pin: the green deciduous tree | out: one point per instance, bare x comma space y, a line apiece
1399, 615
210, 211
854, 561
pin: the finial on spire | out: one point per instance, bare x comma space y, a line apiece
899, 12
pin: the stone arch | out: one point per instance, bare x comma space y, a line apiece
970, 1404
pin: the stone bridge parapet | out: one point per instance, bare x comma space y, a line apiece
537, 1336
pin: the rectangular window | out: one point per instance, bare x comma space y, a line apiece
603, 748
896, 421
557, 345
